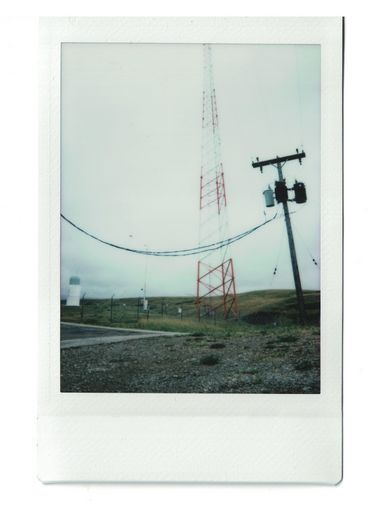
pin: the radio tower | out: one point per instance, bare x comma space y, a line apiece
215, 270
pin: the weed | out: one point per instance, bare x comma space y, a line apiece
303, 365
250, 372
217, 346
258, 311
287, 339
209, 360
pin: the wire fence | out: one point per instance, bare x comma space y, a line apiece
133, 311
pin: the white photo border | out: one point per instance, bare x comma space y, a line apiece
192, 437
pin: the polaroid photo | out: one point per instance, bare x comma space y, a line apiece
191, 250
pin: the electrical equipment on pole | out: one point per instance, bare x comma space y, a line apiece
268, 196
281, 192
300, 192
215, 270
282, 196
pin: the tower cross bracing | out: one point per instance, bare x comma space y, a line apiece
215, 270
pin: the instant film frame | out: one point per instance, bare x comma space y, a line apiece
192, 437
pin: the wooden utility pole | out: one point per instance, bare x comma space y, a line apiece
278, 163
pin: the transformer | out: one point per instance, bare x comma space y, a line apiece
268, 196
281, 192
300, 192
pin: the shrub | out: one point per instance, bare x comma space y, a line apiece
303, 365
287, 339
209, 360
217, 346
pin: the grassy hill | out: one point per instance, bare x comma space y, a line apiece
266, 307
269, 306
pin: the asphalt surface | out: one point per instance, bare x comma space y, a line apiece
79, 335
71, 331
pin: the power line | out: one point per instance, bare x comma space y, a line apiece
179, 252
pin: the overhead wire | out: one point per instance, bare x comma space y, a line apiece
178, 252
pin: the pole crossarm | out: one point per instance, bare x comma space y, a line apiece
279, 160
278, 163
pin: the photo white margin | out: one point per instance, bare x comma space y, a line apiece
191, 437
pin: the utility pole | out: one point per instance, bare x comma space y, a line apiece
281, 192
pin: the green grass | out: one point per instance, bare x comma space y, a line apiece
256, 310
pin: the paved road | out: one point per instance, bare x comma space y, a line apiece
79, 335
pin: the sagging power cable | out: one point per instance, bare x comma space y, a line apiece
179, 252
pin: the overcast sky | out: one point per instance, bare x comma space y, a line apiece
131, 157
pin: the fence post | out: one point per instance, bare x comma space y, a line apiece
111, 304
82, 308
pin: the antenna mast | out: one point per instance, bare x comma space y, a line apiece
215, 271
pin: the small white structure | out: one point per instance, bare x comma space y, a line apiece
74, 292
145, 305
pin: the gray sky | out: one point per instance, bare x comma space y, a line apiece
131, 156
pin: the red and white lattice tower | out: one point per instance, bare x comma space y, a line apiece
215, 272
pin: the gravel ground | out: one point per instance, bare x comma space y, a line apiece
264, 362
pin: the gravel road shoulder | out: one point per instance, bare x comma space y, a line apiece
266, 361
